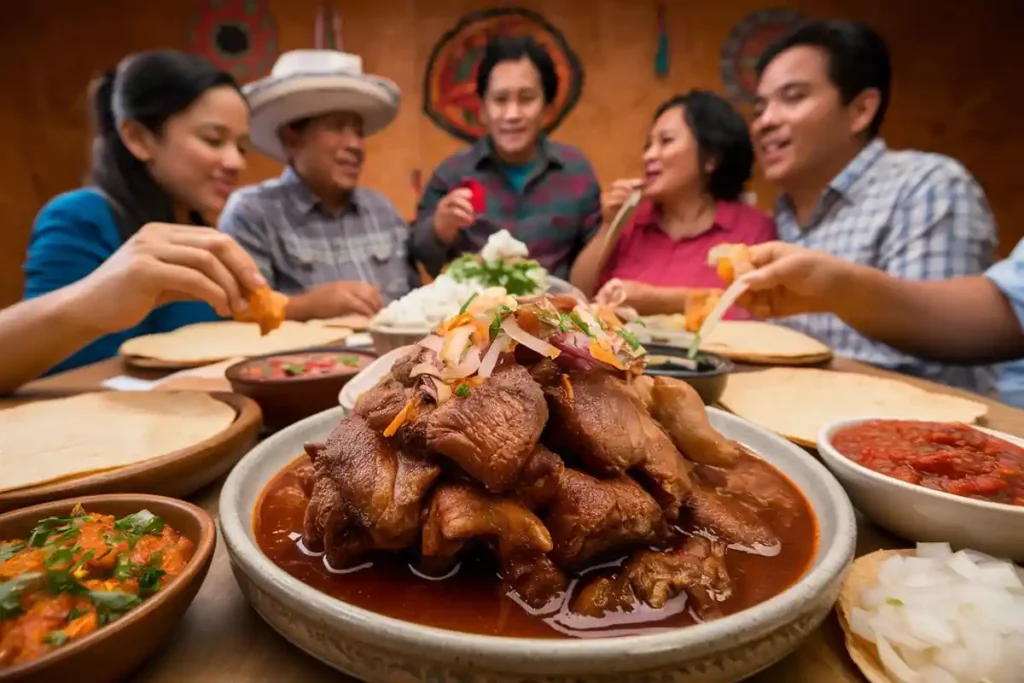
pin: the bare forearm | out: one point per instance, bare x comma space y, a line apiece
303, 307
37, 334
963, 320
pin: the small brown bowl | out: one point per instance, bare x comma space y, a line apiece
114, 650
286, 401
709, 380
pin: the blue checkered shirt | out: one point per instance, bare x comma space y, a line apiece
298, 245
915, 215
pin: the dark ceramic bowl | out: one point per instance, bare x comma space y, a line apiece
114, 650
709, 379
287, 400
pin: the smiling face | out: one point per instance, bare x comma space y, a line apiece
513, 109
199, 154
327, 151
671, 157
802, 131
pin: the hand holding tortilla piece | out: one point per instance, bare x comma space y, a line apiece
160, 264
266, 307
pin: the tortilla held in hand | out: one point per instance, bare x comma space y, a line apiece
266, 308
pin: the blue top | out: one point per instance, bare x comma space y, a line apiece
1008, 276
517, 175
72, 236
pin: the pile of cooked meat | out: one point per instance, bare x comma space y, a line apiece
551, 469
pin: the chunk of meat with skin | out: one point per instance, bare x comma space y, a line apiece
592, 518
654, 577
305, 473
643, 385
490, 433
380, 405
603, 424
538, 481
367, 494
680, 410
460, 512
729, 519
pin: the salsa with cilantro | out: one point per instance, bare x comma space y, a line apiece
75, 574
302, 365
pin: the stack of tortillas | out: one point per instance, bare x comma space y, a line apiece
56, 440
797, 402
352, 321
744, 341
205, 343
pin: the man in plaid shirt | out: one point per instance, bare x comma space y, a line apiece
543, 192
821, 99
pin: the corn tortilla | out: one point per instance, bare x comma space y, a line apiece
48, 441
204, 343
746, 341
797, 402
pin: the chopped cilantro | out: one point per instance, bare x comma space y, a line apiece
633, 342
63, 556
292, 370
76, 612
518, 279
468, 302
42, 531
640, 322
563, 323
149, 580
462, 390
111, 604
9, 550
141, 523
57, 638
350, 361
895, 602
124, 567
10, 592
499, 316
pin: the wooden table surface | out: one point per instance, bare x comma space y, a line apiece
223, 640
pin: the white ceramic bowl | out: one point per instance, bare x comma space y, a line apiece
380, 649
921, 514
368, 377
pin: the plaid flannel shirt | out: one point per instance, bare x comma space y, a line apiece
298, 245
555, 215
915, 215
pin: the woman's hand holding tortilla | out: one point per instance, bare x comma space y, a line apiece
163, 263
785, 280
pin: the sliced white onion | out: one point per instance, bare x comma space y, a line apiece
428, 369
468, 365
444, 392
455, 343
520, 336
433, 342
498, 346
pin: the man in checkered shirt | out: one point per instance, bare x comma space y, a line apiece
333, 246
822, 95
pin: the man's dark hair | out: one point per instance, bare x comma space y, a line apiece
721, 135
858, 59
512, 49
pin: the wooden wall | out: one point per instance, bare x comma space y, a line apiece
956, 89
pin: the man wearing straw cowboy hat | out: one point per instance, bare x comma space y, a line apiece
333, 246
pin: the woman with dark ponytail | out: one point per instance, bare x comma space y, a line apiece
130, 253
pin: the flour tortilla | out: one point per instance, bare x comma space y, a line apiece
796, 402
745, 341
65, 438
205, 343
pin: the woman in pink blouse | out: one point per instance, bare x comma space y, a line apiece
697, 162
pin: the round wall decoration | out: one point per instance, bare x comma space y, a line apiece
449, 86
239, 36
745, 44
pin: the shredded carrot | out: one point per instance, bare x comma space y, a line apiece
529, 322
452, 323
481, 333
568, 386
608, 317
404, 414
601, 352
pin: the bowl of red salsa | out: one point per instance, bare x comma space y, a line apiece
933, 481
294, 385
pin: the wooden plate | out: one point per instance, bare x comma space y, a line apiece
176, 474
116, 649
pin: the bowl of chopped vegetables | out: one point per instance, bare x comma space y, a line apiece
90, 587
292, 386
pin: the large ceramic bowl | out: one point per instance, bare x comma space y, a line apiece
114, 650
380, 649
920, 514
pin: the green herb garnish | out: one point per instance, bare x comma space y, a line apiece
499, 316
57, 638
292, 370
149, 580
111, 604
563, 323
10, 592
575, 317
76, 612
350, 361
9, 550
630, 338
895, 602
63, 556
518, 279
141, 523
465, 306
462, 390
123, 568
45, 528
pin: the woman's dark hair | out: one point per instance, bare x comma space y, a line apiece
722, 137
149, 87
858, 59
511, 49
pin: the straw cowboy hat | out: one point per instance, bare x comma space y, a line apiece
305, 83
